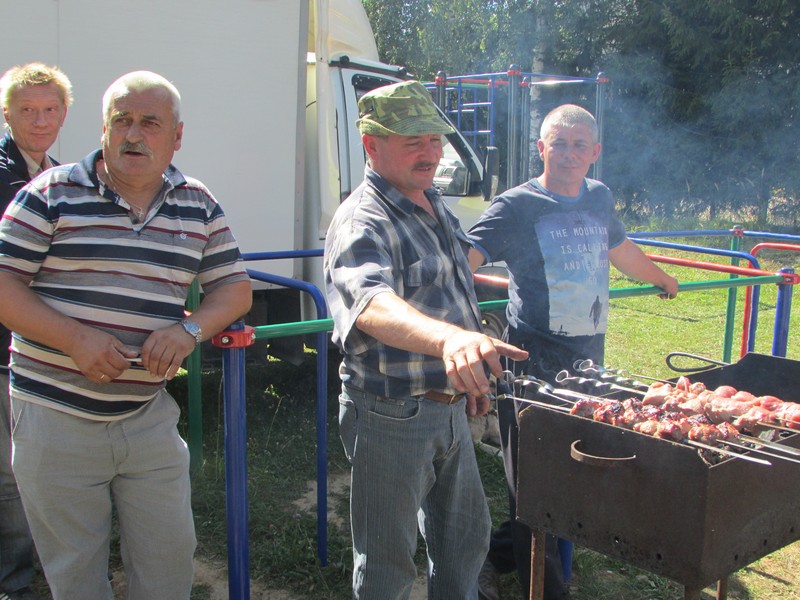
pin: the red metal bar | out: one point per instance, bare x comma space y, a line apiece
492, 280
774, 246
699, 264
748, 292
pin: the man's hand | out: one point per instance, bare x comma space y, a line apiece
164, 350
100, 356
464, 354
670, 287
477, 407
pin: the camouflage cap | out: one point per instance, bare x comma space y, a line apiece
404, 108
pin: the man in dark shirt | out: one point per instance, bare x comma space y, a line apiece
35, 99
557, 234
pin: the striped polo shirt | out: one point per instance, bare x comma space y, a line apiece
76, 243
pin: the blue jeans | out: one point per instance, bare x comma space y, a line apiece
71, 470
413, 465
16, 544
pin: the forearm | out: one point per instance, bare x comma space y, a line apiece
222, 307
22, 311
465, 354
629, 259
392, 321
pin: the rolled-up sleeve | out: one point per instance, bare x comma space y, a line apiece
357, 268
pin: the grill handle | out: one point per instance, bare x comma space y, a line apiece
710, 363
598, 461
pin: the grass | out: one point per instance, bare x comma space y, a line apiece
282, 461
642, 331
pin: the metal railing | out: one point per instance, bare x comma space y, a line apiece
234, 386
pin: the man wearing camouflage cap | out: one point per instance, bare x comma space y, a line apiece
414, 361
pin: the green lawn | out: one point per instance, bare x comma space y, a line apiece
282, 458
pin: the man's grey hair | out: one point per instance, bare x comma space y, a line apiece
140, 81
569, 115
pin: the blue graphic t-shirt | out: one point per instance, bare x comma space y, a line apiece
556, 251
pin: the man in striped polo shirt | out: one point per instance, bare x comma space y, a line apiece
96, 259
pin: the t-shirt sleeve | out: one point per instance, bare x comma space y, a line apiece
493, 233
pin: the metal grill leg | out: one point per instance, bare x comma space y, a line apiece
537, 564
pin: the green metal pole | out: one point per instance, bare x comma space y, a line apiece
304, 327
730, 315
195, 391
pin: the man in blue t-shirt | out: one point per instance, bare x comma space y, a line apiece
557, 234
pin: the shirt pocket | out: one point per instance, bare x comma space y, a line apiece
423, 272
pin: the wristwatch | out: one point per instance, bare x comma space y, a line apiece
193, 329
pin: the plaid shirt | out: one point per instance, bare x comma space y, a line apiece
380, 241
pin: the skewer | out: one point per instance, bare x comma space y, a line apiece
564, 376
617, 376
548, 390
779, 427
536, 402
760, 451
688, 441
782, 420
558, 394
587, 366
729, 452
767, 444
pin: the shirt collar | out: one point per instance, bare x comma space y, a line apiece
35, 168
391, 193
85, 172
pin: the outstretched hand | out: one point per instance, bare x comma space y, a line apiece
466, 355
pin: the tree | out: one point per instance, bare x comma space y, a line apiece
703, 111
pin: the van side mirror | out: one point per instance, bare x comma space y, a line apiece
491, 173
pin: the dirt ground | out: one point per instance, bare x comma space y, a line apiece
485, 432
213, 579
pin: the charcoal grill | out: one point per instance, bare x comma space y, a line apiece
659, 505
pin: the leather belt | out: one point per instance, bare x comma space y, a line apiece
443, 398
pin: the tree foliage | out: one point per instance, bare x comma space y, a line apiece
704, 96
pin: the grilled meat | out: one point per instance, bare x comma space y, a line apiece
725, 404
652, 420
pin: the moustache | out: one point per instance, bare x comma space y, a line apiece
137, 147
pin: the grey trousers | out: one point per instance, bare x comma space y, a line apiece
70, 471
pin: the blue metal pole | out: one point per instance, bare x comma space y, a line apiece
783, 309
233, 382
322, 403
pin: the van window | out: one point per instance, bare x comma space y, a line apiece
451, 174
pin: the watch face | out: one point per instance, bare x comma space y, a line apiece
192, 329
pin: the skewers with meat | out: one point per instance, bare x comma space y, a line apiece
652, 420
724, 404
